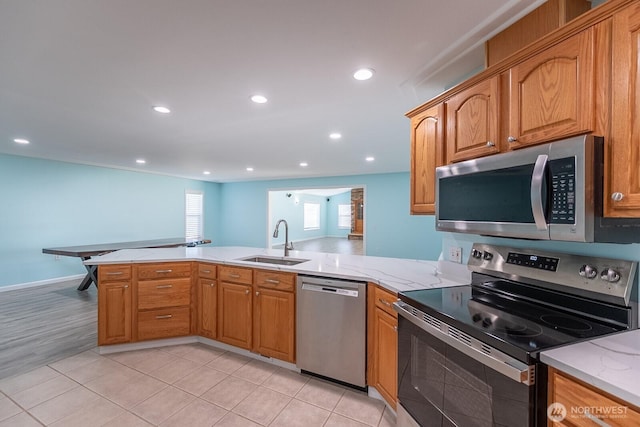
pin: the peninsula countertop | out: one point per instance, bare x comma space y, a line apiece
610, 363
394, 274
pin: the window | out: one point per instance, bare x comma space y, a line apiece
311, 216
193, 215
344, 216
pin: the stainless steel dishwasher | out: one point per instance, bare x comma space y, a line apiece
331, 328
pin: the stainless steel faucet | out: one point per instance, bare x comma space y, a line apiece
287, 245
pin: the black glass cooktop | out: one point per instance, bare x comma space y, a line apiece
516, 327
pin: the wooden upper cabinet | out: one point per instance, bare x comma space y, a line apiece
552, 94
427, 139
622, 174
472, 122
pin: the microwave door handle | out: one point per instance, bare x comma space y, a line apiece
536, 192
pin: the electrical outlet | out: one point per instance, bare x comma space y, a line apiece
455, 254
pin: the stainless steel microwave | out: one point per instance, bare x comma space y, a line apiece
545, 192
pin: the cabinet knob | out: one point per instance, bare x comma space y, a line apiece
212, 284
616, 197
246, 292
512, 139
125, 286
491, 144
257, 293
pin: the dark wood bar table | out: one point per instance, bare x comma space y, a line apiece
87, 251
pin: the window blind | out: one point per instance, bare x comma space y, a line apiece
193, 215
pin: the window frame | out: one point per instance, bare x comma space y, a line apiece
341, 216
199, 214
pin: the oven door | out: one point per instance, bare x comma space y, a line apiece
442, 384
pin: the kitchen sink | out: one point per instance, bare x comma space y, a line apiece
273, 260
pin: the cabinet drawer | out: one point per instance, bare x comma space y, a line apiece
274, 280
108, 273
384, 300
236, 275
163, 293
207, 271
164, 270
163, 323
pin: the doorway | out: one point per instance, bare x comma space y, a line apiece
327, 219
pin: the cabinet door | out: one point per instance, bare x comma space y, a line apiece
234, 314
622, 181
207, 309
386, 355
114, 312
274, 324
472, 122
552, 94
427, 152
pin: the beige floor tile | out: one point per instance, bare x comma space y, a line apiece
132, 358
286, 381
127, 420
201, 380
320, 393
360, 407
128, 392
388, 418
98, 413
65, 404
113, 383
256, 371
99, 367
179, 350
229, 392
301, 414
162, 405
42, 392
234, 420
74, 362
21, 420
336, 420
178, 369
229, 362
13, 385
203, 354
262, 406
196, 414
145, 360
8, 409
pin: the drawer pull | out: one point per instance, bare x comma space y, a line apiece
206, 271
114, 273
164, 286
274, 281
125, 286
164, 316
388, 304
164, 271
234, 276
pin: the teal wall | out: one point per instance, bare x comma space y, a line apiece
51, 204
291, 209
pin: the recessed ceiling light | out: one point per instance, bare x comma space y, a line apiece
259, 99
370, 159
21, 141
304, 164
206, 173
163, 110
141, 161
249, 169
335, 135
363, 74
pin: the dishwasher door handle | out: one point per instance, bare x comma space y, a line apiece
347, 292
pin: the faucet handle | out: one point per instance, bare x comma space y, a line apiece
290, 246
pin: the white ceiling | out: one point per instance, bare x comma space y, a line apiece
78, 79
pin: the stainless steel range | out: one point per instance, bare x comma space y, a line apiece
469, 355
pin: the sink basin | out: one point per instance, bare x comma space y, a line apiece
273, 260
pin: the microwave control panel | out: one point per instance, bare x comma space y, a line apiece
563, 193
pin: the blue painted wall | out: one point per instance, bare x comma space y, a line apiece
332, 214
50, 204
291, 209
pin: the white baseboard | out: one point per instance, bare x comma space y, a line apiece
40, 283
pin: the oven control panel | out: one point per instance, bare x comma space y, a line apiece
605, 279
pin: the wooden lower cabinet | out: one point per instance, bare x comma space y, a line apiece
164, 323
382, 370
207, 308
586, 405
235, 306
114, 312
274, 324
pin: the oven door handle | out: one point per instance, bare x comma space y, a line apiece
503, 363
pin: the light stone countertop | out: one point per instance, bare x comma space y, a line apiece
394, 274
610, 363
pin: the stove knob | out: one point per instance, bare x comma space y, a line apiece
610, 275
488, 256
587, 271
476, 254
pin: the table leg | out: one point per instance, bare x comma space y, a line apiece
90, 277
